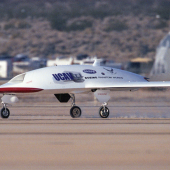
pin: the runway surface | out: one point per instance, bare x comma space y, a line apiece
46, 137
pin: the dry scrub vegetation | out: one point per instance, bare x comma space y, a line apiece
118, 30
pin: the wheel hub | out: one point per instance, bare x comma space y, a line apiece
5, 112
76, 112
104, 112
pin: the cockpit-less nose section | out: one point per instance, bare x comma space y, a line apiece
18, 79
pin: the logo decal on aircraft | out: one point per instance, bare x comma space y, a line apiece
90, 77
88, 71
111, 70
63, 76
69, 76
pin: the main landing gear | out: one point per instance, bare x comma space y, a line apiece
103, 96
75, 111
104, 111
5, 111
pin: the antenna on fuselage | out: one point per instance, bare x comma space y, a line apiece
97, 62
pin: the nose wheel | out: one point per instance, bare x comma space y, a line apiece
104, 112
5, 112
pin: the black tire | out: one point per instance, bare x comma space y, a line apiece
75, 112
104, 113
5, 113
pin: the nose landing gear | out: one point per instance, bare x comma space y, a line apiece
6, 100
5, 111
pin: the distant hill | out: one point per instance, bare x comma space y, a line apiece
118, 30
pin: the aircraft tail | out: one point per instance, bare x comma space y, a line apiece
161, 68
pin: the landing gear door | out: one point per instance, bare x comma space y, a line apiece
102, 95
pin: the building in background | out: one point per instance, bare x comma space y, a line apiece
62, 60
140, 66
6, 67
22, 63
83, 59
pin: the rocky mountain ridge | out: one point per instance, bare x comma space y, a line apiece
119, 36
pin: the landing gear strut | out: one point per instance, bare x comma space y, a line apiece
104, 111
5, 111
75, 111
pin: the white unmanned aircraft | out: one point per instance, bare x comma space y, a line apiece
65, 81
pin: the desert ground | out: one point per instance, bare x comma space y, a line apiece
40, 134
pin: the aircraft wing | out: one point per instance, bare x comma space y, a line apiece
131, 85
86, 88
